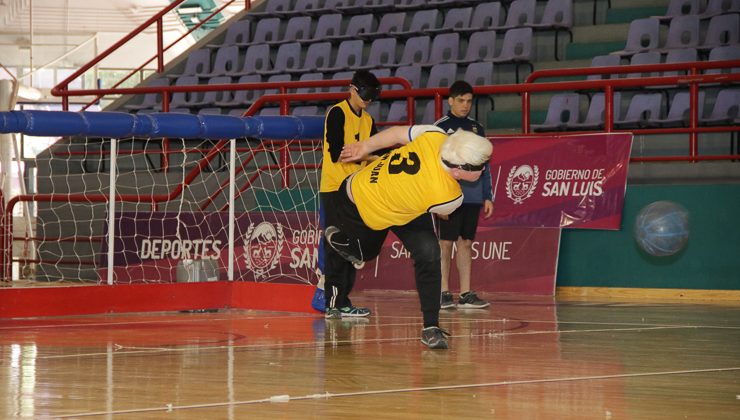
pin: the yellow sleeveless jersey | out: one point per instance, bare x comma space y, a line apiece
404, 184
356, 128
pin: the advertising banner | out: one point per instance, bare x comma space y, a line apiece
569, 181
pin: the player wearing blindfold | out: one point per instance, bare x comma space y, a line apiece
396, 192
346, 123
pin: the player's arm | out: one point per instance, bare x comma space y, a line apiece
335, 132
392, 136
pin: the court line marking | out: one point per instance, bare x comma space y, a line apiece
327, 395
129, 350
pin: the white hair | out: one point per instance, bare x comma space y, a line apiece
463, 147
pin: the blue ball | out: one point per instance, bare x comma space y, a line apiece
662, 228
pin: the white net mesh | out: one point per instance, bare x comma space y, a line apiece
172, 212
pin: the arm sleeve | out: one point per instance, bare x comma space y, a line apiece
486, 183
335, 132
417, 130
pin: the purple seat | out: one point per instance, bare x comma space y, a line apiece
520, 14
349, 55
411, 73
287, 59
238, 33
722, 30
225, 64
416, 51
607, 60
683, 32
455, 19
678, 8
444, 49
150, 100
678, 112
726, 52
277, 78
643, 108
595, 115
686, 55
339, 76
558, 17
301, 7
318, 55
562, 113
241, 97
442, 75
486, 16
398, 112
328, 26
421, 21
308, 77
726, 108
272, 8
720, 7
481, 47
210, 111
330, 6
306, 110
358, 24
428, 117
198, 62
211, 97
479, 73
648, 57
382, 54
185, 99
389, 23
257, 58
297, 29
516, 48
643, 35
266, 30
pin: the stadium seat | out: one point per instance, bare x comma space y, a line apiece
411, 73
298, 29
644, 58
150, 100
444, 49
683, 32
442, 75
722, 30
516, 48
257, 58
358, 24
211, 97
318, 55
606, 60
272, 8
558, 17
185, 99
726, 108
643, 35
678, 112
287, 59
225, 64
520, 14
389, 23
416, 51
238, 33
479, 73
726, 52
266, 30
595, 115
382, 54
455, 19
421, 21
310, 76
643, 108
198, 62
348, 56
720, 7
562, 113
678, 8
481, 47
241, 97
429, 117
328, 26
486, 16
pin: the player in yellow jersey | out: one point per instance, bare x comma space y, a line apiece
346, 122
396, 192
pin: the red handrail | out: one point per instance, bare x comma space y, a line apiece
62, 89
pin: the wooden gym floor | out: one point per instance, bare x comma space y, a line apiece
524, 358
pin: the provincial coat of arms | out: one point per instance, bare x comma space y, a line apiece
521, 182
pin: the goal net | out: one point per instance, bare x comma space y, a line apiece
161, 210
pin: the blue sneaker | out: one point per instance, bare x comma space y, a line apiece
319, 300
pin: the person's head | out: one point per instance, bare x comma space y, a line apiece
460, 99
465, 154
363, 89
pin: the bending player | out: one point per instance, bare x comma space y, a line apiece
395, 192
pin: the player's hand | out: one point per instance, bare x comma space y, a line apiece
353, 152
487, 209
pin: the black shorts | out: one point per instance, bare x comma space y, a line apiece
462, 223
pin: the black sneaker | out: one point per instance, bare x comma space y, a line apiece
471, 300
341, 243
434, 337
447, 302
354, 312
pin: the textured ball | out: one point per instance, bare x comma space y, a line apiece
662, 228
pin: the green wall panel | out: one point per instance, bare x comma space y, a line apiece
711, 260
